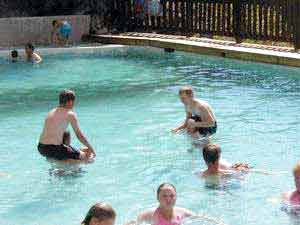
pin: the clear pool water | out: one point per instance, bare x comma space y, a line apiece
127, 103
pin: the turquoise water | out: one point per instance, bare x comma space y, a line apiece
126, 103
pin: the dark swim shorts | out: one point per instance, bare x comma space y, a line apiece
59, 152
205, 130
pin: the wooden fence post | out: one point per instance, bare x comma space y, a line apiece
296, 22
237, 20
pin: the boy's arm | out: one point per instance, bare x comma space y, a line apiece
74, 123
184, 124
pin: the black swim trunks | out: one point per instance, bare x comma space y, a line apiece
205, 130
59, 152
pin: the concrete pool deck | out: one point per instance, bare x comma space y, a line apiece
250, 52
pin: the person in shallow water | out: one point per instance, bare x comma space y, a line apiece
51, 140
166, 213
31, 56
100, 214
200, 118
215, 166
293, 197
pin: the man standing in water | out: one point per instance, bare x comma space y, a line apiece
51, 140
200, 118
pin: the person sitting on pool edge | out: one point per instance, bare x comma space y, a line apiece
293, 197
51, 140
31, 56
200, 118
100, 214
166, 213
215, 166
67, 142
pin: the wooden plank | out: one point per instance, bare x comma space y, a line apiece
176, 15
249, 19
277, 20
182, 9
265, 17
228, 20
218, 25
171, 17
271, 21
164, 17
197, 17
213, 17
223, 17
209, 17
205, 17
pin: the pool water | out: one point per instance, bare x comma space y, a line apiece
127, 103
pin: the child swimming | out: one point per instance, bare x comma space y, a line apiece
215, 166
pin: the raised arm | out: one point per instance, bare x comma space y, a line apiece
75, 125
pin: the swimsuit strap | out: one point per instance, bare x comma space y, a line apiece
160, 220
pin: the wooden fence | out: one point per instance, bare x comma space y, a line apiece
272, 20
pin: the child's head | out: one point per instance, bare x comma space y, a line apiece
211, 153
14, 55
55, 23
100, 214
29, 48
67, 138
186, 94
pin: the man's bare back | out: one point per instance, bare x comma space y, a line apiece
55, 125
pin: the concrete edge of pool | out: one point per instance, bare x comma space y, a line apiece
73, 49
234, 52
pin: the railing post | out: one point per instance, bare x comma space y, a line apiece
237, 20
296, 22
189, 17
164, 17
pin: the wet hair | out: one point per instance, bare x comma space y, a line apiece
66, 136
161, 186
54, 22
211, 153
188, 90
66, 96
14, 54
296, 169
102, 211
30, 46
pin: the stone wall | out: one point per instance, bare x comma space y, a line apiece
16, 31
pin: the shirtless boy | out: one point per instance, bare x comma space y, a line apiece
51, 140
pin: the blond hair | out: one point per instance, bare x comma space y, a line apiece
296, 169
188, 90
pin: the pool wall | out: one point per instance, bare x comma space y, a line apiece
16, 31
221, 50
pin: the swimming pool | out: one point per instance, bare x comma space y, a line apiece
127, 103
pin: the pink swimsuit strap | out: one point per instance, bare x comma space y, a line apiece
160, 220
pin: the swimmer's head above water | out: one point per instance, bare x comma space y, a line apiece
186, 94
166, 195
211, 153
67, 99
100, 214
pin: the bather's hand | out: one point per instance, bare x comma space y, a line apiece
191, 124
